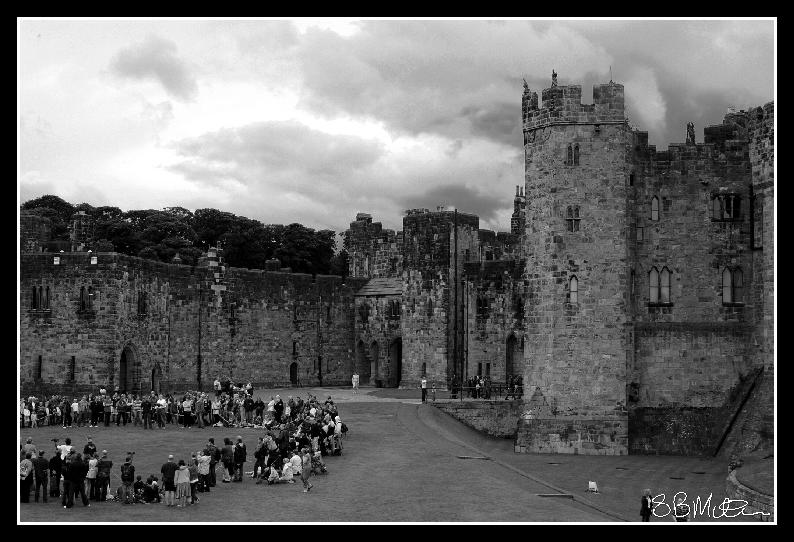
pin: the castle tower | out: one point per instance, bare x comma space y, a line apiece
576, 172
82, 231
518, 220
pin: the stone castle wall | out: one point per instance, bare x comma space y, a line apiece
254, 329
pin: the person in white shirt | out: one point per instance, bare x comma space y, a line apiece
65, 448
217, 386
296, 463
75, 412
424, 390
355, 382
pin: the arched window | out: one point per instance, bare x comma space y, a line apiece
572, 218
653, 282
142, 302
738, 286
47, 299
664, 279
34, 299
576, 155
569, 161
573, 290
716, 208
40, 300
90, 298
83, 299
655, 208
429, 308
732, 285
39, 368
424, 369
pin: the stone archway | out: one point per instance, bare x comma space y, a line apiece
157, 376
362, 364
293, 373
373, 357
129, 370
396, 361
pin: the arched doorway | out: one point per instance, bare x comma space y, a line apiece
396, 361
362, 364
293, 373
510, 353
157, 375
374, 374
129, 370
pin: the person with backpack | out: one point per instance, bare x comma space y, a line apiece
127, 479
25, 477
78, 469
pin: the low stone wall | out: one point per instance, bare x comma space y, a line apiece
756, 501
586, 435
495, 418
676, 430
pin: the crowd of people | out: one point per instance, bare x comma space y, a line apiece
297, 434
482, 387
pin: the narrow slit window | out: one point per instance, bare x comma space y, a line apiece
39, 365
83, 304
72, 367
655, 208
90, 298
737, 204
729, 207
47, 299
716, 208
576, 155
34, 299
573, 290
653, 282
569, 161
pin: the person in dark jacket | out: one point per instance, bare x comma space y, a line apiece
227, 456
55, 474
647, 505
78, 471
146, 412
211, 450
40, 469
127, 479
240, 454
102, 477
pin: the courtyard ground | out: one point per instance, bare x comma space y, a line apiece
402, 461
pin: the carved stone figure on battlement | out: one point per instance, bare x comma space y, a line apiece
553, 78
690, 133
526, 87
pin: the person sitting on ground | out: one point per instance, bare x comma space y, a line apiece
138, 489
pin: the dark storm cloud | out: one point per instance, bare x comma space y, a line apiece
156, 58
266, 151
496, 121
464, 198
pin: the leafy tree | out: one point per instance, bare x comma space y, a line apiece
56, 209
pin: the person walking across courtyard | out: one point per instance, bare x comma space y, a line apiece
647, 505
424, 389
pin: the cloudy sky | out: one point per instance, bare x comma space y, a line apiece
311, 121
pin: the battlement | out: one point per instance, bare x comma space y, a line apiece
563, 105
418, 216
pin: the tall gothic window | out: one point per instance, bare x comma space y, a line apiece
653, 282
142, 302
573, 290
34, 299
569, 159
655, 208
572, 218
664, 285
732, 285
576, 155
83, 299
47, 299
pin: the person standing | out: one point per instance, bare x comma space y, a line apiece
90, 477
647, 505
355, 382
127, 479
78, 471
214, 454
168, 470
217, 386
194, 478
55, 474
40, 469
182, 481
424, 389
25, 477
306, 469
146, 412
203, 467
200, 411
227, 455
187, 410
137, 406
29, 448
104, 465
107, 408
240, 456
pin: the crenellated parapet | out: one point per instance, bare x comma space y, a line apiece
562, 104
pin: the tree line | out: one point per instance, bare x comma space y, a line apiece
162, 234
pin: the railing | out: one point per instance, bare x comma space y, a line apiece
492, 392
